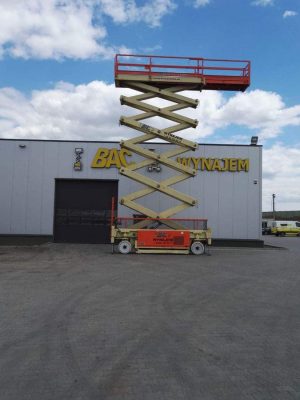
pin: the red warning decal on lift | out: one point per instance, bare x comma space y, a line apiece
163, 238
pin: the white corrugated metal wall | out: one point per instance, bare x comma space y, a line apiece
230, 200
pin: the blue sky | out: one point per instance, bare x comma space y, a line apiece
56, 71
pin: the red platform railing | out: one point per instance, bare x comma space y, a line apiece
216, 74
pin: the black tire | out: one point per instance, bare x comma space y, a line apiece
124, 247
197, 248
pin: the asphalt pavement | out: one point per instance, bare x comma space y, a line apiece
80, 323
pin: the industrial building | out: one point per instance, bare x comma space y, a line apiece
61, 190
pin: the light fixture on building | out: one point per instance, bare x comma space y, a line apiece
254, 140
22, 146
155, 166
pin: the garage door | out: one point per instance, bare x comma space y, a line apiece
83, 209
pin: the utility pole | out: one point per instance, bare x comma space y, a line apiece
273, 201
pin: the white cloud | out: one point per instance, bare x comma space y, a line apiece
281, 175
55, 29
289, 13
92, 111
46, 29
152, 49
125, 11
201, 3
79, 112
263, 112
263, 3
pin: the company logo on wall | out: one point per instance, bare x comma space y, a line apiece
108, 158
78, 164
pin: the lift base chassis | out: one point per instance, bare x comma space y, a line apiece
166, 241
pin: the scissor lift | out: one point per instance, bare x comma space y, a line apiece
163, 78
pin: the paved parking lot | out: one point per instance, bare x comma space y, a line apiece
80, 323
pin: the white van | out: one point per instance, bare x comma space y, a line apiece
281, 228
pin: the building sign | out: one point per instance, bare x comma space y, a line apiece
107, 158
78, 164
216, 164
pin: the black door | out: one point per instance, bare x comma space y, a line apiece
83, 210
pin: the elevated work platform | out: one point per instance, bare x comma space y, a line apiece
164, 78
197, 73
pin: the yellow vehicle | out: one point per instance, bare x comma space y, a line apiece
282, 228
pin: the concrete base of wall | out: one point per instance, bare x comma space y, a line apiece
237, 243
24, 240
29, 240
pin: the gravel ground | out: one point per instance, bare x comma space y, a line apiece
80, 323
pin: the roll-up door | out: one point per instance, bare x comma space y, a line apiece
83, 210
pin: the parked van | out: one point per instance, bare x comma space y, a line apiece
281, 228
266, 226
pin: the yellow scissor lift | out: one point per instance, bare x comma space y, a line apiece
157, 232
